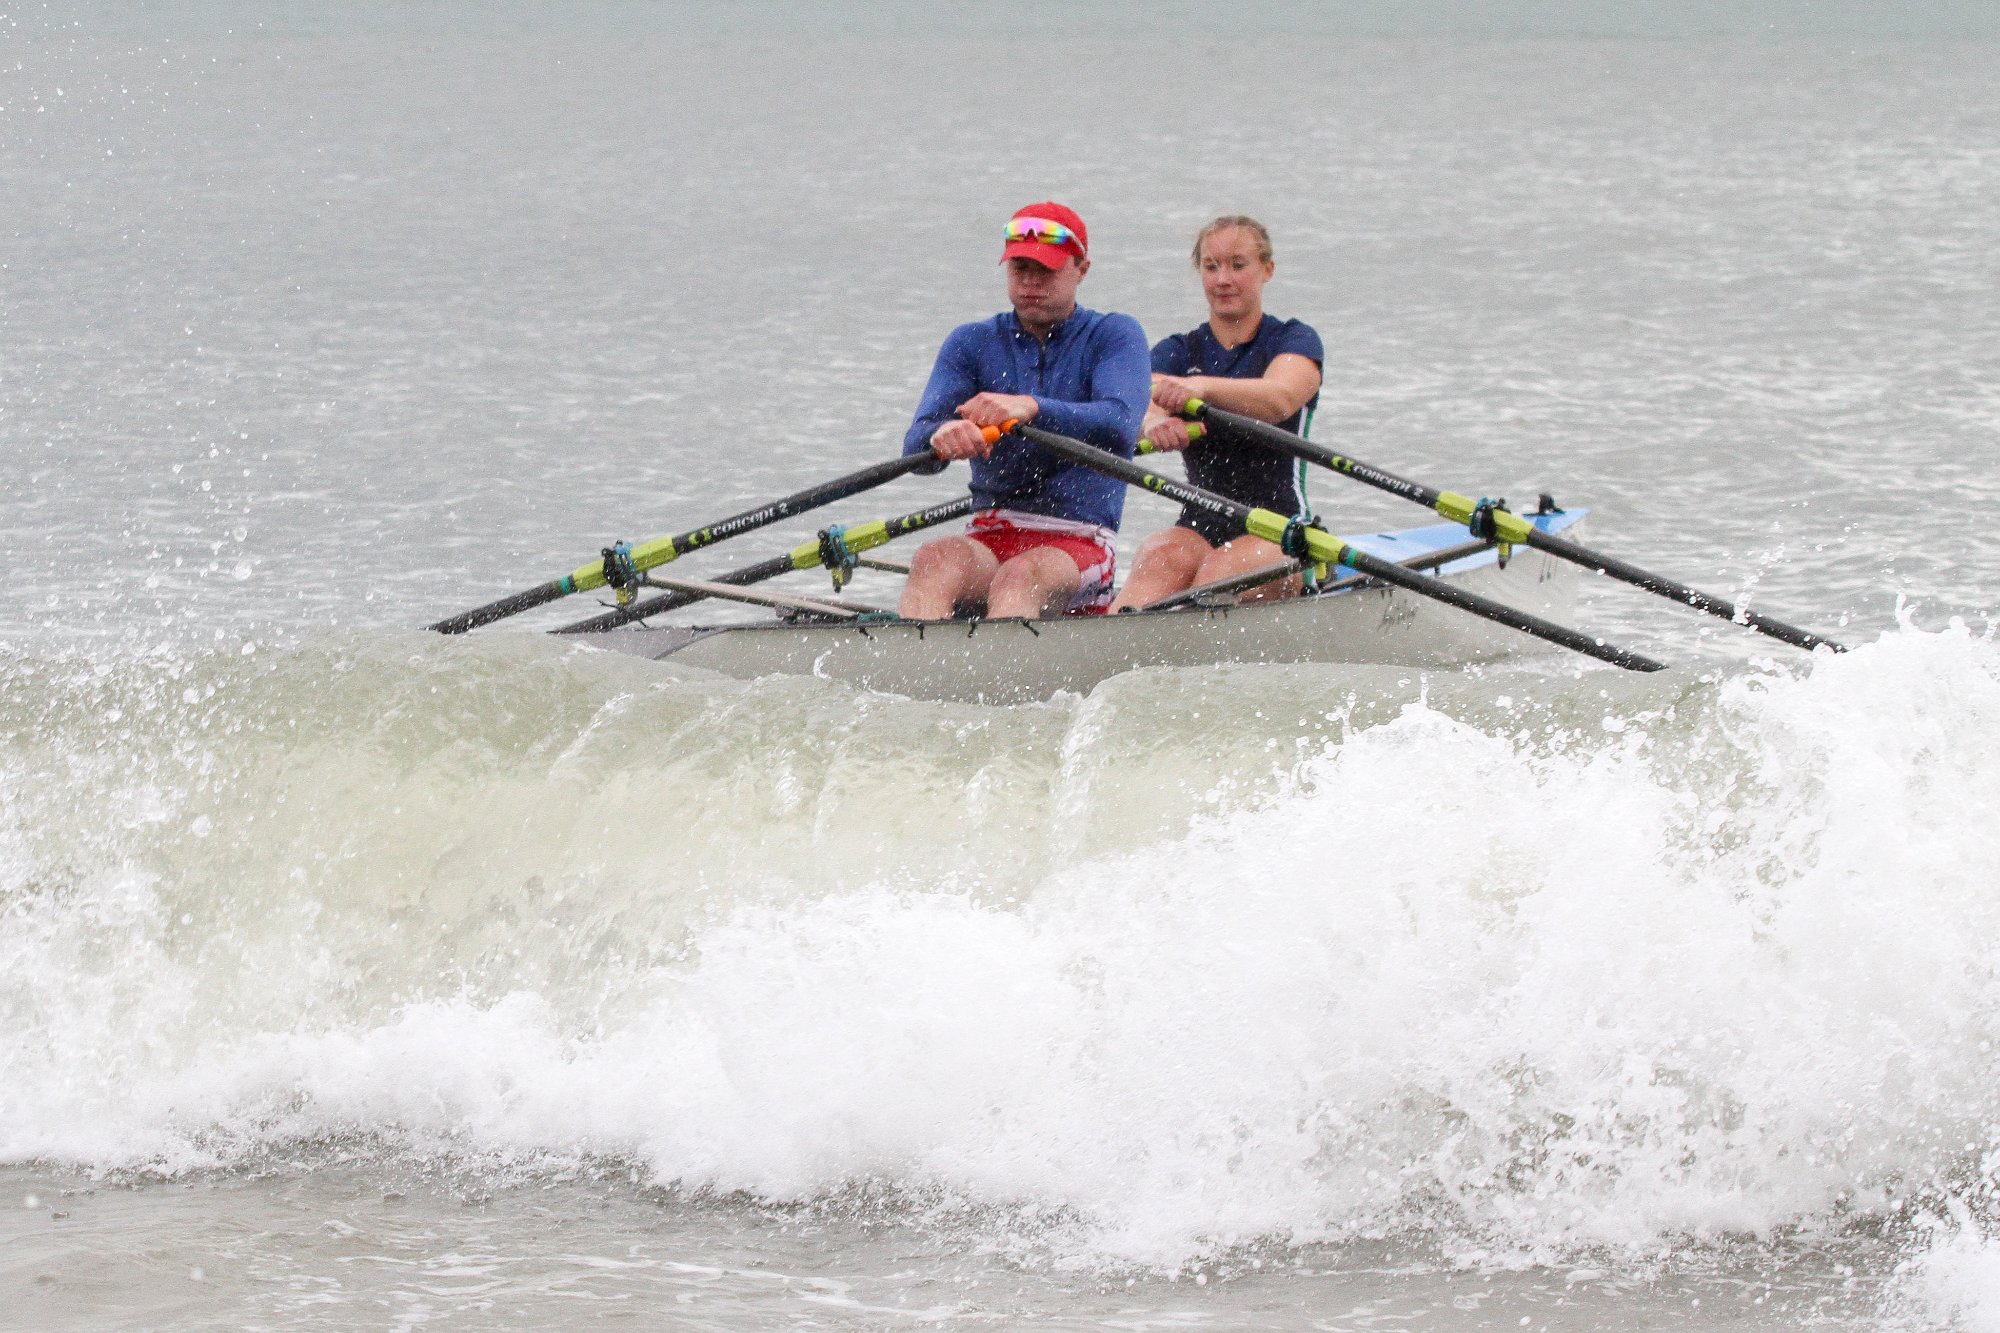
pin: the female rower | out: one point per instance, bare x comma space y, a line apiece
1243, 361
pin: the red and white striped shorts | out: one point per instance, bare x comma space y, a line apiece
1009, 532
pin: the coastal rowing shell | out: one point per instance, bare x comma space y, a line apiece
1013, 661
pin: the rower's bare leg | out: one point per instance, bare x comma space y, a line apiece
945, 574
1041, 581
1240, 556
1168, 562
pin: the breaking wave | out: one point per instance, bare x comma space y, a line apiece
1526, 963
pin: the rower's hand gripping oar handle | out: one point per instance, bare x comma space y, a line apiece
1195, 430
837, 546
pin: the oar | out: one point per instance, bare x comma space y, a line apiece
1486, 520
807, 555
623, 564
1302, 542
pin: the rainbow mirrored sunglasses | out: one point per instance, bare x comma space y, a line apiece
1043, 230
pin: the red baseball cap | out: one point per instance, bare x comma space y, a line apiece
1047, 233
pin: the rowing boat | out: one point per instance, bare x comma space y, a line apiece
1353, 619
1378, 608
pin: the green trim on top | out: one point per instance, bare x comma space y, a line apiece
1305, 430
1316, 573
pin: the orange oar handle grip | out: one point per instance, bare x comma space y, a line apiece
992, 434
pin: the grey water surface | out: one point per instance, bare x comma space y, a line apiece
354, 980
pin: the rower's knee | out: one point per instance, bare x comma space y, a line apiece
1176, 550
1038, 582
1242, 555
1165, 565
939, 559
943, 574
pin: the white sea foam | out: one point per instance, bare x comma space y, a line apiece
1525, 977
1955, 1273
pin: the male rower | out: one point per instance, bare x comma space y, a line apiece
1040, 541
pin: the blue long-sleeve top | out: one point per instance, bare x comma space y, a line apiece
1092, 377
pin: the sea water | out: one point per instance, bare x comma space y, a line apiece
355, 978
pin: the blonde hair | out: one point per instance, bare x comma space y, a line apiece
1251, 225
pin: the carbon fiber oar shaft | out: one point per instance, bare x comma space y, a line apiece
1325, 548
806, 555
652, 554
1508, 527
